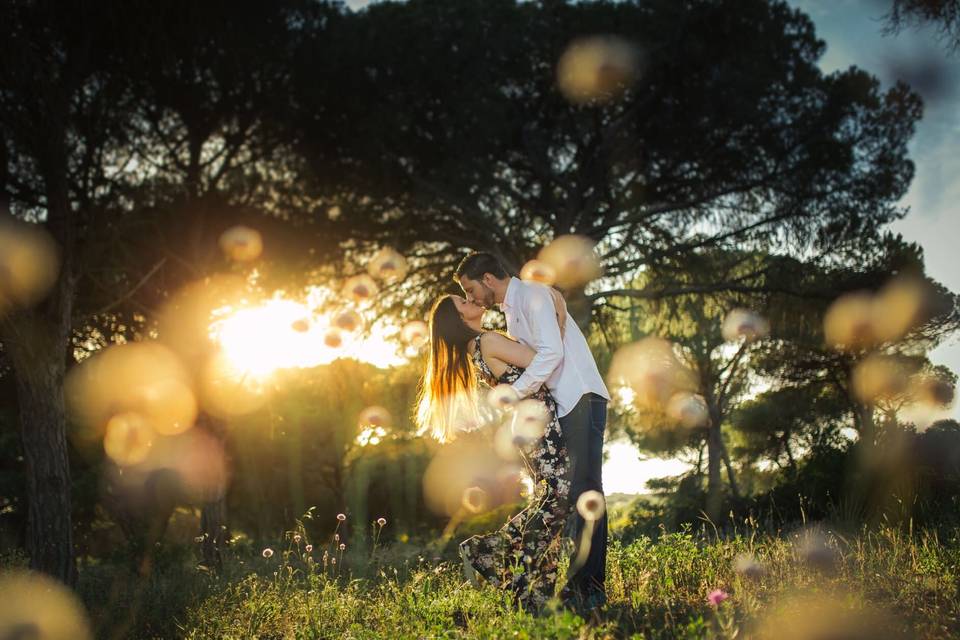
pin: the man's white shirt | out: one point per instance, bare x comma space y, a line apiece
565, 365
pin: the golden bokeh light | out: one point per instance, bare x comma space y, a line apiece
539, 271
502, 396
652, 372
862, 320
529, 422
597, 69
744, 324
333, 338
170, 405
388, 265
360, 288
35, 606
901, 305
825, 616
241, 244
932, 391
190, 468
226, 391
348, 320
29, 263
185, 321
415, 333
687, 409
572, 259
505, 444
849, 322
128, 438
878, 377
468, 462
374, 416
142, 378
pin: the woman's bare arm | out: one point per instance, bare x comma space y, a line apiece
496, 346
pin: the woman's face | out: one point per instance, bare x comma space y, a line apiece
468, 310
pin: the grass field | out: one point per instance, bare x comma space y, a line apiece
886, 583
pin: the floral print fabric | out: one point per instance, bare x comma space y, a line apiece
523, 554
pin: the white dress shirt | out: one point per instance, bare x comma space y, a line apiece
565, 365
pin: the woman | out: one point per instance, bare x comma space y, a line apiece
523, 555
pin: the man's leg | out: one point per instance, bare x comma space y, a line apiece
583, 429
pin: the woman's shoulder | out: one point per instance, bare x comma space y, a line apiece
489, 339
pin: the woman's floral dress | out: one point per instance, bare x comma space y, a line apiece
523, 554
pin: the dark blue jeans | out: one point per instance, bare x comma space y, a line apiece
583, 430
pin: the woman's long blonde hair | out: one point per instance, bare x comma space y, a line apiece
448, 391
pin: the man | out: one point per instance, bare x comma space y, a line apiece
564, 363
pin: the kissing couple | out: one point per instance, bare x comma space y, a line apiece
543, 356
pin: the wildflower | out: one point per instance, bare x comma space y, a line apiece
336, 537
268, 553
342, 546
296, 538
591, 506
309, 548
717, 596
382, 522
341, 517
333, 561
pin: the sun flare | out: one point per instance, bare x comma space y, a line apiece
285, 334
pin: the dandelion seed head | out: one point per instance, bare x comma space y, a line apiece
744, 324
415, 333
591, 505
241, 244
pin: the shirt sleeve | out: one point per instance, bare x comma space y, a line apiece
538, 314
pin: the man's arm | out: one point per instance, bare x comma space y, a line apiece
539, 314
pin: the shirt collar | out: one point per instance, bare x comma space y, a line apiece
509, 298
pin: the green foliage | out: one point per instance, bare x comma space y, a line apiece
656, 590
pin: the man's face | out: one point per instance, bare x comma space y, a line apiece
477, 291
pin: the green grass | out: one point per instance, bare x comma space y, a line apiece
656, 590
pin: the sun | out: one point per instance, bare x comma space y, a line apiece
285, 334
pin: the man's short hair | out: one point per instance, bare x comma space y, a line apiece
478, 263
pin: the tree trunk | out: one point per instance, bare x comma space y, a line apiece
38, 340
713, 469
731, 478
37, 353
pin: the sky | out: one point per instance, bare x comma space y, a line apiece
854, 34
